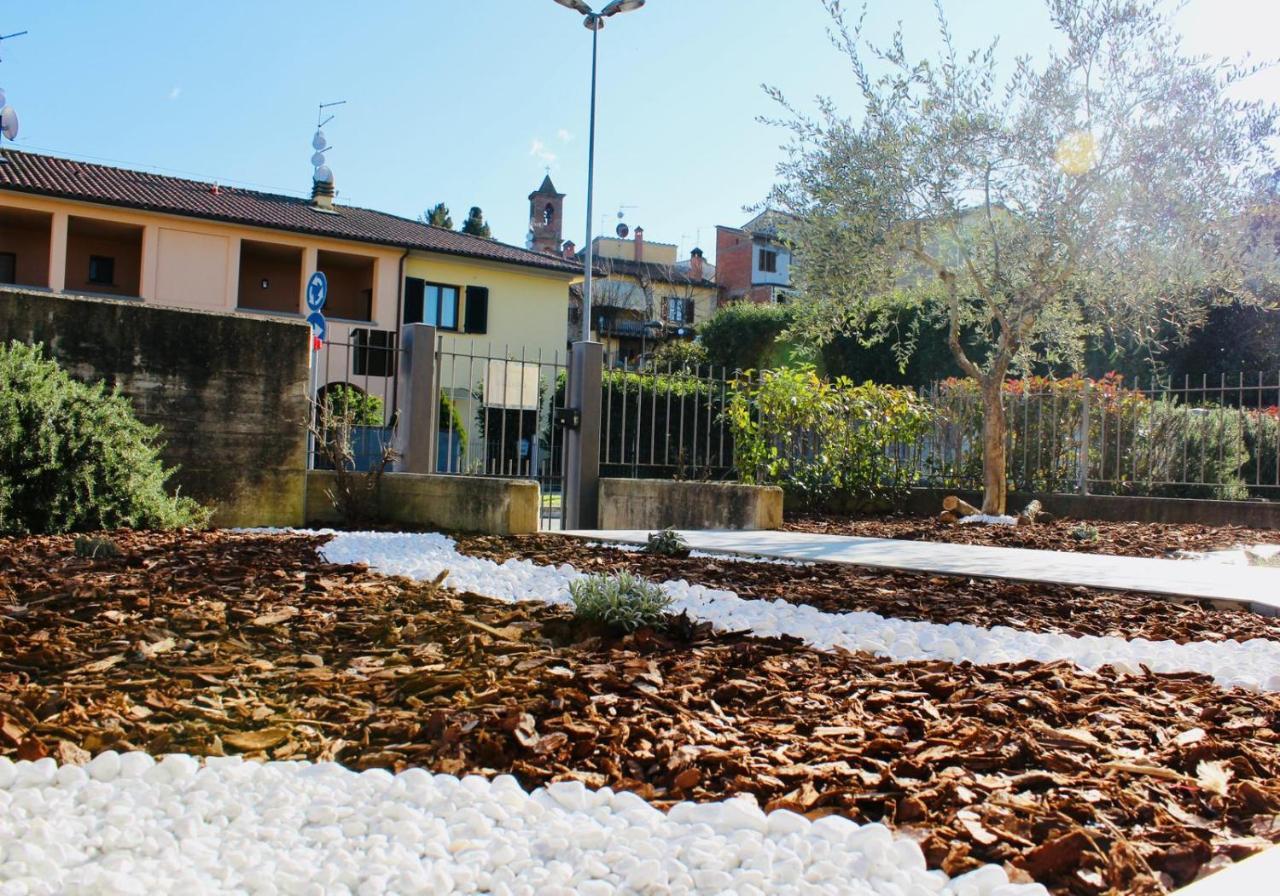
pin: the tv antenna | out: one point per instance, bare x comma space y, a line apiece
8, 114
5, 37
622, 213
320, 143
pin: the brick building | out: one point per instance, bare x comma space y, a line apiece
753, 262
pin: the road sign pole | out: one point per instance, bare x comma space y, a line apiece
317, 295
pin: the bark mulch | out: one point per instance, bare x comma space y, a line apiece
1124, 539
218, 643
839, 588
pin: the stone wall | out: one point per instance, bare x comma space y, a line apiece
228, 390
450, 503
659, 503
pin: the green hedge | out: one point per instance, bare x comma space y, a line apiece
829, 443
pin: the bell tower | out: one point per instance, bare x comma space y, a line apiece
546, 218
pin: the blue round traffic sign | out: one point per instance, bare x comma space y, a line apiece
317, 290
319, 326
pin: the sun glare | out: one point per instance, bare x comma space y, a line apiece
1077, 152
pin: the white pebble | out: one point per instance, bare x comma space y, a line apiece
299, 828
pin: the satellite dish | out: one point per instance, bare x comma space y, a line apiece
323, 175
622, 231
9, 123
318, 142
317, 159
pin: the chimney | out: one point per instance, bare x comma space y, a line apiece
322, 195
695, 264
639, 244
570, 250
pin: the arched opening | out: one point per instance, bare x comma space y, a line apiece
548, 214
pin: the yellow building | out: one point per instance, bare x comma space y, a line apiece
76, 227
645, 296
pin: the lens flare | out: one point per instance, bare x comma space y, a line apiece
1077, 152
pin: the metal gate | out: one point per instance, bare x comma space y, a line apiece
498, 417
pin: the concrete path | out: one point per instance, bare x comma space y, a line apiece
1258, 587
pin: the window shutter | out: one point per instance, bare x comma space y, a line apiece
414, 290
477, 317
688, 311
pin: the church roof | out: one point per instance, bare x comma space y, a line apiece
547, 188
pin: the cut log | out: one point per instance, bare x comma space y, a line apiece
948, 517
959, 508
1030, 514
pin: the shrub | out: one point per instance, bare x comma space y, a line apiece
333, 425
1085, 533
826, 441
95, 548
745, 336
351, 403
451, 421
1136, 445
667, 543
622, 603
678, 355
73, 456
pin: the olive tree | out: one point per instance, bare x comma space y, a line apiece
1023, 206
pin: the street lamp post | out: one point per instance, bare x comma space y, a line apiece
594, 21
580, 503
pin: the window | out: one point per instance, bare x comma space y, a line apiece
430, 303
680, 311
8, 267
769, 261
102, 270
477, 315
548, 214
374, 353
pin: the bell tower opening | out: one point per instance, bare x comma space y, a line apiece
546, 218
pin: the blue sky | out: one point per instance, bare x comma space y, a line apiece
467, 101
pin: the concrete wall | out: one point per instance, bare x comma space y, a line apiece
451, 503
659, 503
1254, 514
228, 391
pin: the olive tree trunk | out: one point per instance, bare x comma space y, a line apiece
995, 482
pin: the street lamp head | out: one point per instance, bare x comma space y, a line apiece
618, 6
578, 6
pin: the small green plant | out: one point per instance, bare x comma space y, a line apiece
667, 543
623, 602
1085, 533
95, 548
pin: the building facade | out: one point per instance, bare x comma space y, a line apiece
74, 227
753, 262
644, 296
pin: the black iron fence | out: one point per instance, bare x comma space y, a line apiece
498, 409
355, 383
666, 421
1194, 437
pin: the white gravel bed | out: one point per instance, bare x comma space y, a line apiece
1253, 664
1262, 556
129, 825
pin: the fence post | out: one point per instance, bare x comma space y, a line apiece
1083, 462
580, 506
418, 401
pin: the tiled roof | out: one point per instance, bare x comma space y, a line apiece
27, 172
660, 273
